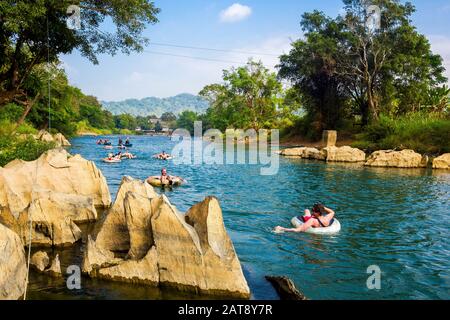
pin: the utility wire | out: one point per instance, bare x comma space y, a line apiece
193, 57
213, 49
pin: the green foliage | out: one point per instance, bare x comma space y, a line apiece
23, 36
12, 147
423, 132
186, 120
11, 112
343, 69
125, 121
249, 98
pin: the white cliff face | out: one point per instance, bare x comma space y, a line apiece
164, 247
13, 267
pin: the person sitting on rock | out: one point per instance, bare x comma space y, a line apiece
321, 217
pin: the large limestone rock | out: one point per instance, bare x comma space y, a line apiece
157, 245
303, 152
58, 139
61, 141
55, 191
398, 159
442, 162
112, 232
343, 154
13, 269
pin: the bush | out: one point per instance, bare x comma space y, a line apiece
424, 133
29, 149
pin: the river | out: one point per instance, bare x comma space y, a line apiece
396, 219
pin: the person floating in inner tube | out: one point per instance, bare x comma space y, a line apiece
321, 217
165, 178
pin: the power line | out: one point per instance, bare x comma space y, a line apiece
193, 57
213, 49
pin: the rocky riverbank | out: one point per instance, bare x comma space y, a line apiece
140, 238
381, 158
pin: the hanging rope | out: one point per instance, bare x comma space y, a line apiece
30, 218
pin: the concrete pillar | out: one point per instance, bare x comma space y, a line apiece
329, 138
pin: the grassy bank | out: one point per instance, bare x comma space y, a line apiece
422, 132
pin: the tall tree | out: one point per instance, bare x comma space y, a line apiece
25, 43
311, 66
248, 98
392, 53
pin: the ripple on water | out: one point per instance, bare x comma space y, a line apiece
397, 219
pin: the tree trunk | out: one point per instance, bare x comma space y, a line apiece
8, 96
30, 105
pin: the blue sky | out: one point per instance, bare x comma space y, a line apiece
255, 26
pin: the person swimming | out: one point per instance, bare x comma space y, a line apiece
321, 217
165, 178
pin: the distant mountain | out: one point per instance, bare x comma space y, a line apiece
157, 106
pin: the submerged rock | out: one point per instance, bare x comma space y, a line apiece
13, 268
160, 246
40, 260
286, 288
55, 268
442, 162
398, 159
55, 191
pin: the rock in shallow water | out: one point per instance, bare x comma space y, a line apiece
40, 260
397, 159
56, 190
163, 246
13, 269
442, 162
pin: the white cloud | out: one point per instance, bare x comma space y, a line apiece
235, 12
441, 45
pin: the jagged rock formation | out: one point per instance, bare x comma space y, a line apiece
55, 191
13, 268
144, 239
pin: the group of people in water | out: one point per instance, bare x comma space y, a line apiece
316, 218
117, 157
104, 142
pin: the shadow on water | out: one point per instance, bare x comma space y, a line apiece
397, 219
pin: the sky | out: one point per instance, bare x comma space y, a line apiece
259, 29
